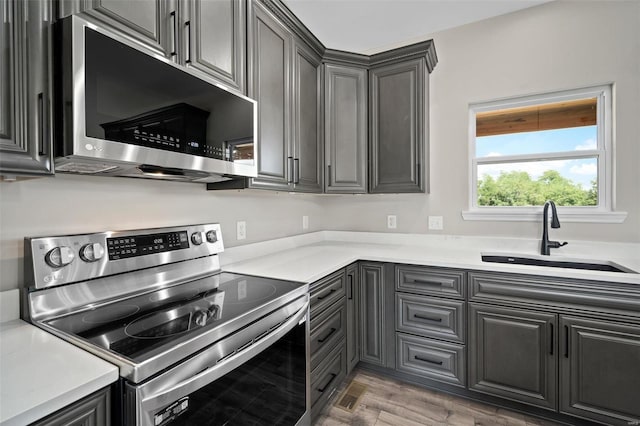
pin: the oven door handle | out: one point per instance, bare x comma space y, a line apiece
155, 395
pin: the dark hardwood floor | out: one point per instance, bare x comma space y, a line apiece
388, 402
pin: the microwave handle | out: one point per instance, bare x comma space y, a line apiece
159, 399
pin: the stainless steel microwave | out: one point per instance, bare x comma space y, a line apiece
123, 111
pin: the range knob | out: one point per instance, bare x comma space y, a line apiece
212, 237
196, 238
59, 257
91, 252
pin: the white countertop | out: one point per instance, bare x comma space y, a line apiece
40, 373
309, 257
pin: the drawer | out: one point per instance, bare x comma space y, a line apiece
431, 359
327, 330
326, 291
431, 317
431, 281
326, 378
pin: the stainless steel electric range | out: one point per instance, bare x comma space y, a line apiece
195, 345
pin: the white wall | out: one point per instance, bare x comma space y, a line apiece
558, 45
555, 46
69, 204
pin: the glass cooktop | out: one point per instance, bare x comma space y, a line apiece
144, 325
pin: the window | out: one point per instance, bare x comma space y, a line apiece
554, 146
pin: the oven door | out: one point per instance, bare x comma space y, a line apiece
256, 376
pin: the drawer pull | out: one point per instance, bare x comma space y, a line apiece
427, 360
324, 388
427, 282
333, 330
427, 318
324, 296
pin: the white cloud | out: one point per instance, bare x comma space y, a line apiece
586, 145
590, 169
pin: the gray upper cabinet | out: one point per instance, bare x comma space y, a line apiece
307, 147
215, 38
269, 59
513, 354
399, 118
345, 124
285, 79
26, 88
398, 94
152, 23
600, 370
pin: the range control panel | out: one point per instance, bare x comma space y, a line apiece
65, 259
132, 246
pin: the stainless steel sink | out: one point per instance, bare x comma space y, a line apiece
522, 259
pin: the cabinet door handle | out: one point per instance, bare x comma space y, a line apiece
41, 125
188, 26
324, 339
427, 360
329, 175
296, 171
427, 282
324, 388
551, 339
427, 318
566, 341
290, 169
327, 294
350, 296
175, 33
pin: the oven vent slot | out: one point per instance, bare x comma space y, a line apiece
351, 396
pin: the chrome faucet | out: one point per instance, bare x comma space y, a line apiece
545, 244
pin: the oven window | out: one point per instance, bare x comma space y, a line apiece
270, 389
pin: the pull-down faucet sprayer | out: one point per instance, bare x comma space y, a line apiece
545, 244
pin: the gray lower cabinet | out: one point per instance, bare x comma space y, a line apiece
94, 410
26, 88
600, 370
373, 336
214, 39
353, 311
513, 354
328, 328
398, 126
345, 121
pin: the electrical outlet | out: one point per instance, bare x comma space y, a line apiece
392, 222
241, 230
435, 223
305, 222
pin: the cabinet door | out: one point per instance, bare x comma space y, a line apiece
269, 56
353, 309
600, 370
372, 314
398, 125
149, 22
307, 169
215, 39
513, 354
25, 88
345, 129
93, 410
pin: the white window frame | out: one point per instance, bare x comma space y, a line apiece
603, 212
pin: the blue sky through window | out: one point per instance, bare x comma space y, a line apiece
581, 171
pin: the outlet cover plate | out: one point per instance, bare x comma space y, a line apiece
436, 223
241, 230
392, 221
305, 222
